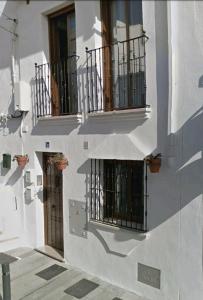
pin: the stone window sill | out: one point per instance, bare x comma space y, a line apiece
138, 113
61, 119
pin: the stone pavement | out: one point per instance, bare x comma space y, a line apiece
57, 281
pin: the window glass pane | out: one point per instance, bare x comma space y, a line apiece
137, 186
123, 189
118, 21
127, 75
126, 19
62, 36
123, 192
72, 64
117, 192
135, 12
71, 34
135, 18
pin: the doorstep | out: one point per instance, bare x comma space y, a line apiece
51, 252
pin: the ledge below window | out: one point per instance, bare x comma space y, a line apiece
76, 119
128, 114
141, 235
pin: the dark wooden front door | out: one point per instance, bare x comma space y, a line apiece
62, 29
53, 203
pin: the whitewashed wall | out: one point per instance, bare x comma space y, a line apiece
173, 243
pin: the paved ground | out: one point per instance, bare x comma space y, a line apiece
27, 285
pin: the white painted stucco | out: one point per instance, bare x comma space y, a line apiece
174, 55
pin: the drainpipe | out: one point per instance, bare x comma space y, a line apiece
15, 79
175, 143
13, 72
171, 92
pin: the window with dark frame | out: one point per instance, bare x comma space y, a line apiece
117, 193
63, 61
116, 71
121, 20
124, 62
56, 81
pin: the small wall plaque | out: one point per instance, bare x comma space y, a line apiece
85, 145
47, 144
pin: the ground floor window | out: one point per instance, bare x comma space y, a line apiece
117, 193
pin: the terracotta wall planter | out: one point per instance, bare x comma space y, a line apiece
61, 164
59, 160
155, 165
154, 162
22, 160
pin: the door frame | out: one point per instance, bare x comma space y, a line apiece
45, 208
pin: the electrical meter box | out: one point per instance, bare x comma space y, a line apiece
6, 161
29, 193
29, 177
22, 96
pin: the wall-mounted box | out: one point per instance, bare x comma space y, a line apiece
29, 193
22, 96
149, 275
6, 161
29, 177
39, 180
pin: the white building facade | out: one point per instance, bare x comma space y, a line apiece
105, 84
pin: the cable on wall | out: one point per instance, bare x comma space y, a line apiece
5, 29
9, 19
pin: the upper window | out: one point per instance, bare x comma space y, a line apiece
62, 35
63, 62
116, 71
123, 20
117, 193
56, 82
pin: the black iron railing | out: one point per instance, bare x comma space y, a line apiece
56, 87
117, 193
116, 76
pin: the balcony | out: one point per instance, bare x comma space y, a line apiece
116, 76
56, 88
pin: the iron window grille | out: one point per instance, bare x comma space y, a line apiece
56, 86
118, 193
116, 75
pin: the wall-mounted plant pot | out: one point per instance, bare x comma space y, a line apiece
61, 164
59, 160
22, 160
155, 165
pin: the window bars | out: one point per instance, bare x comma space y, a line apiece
117, 193
116, 76
56, 87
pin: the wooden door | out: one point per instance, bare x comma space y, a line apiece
71, 64
62, 48
121, 22
53, 203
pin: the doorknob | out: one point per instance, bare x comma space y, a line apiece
53, 206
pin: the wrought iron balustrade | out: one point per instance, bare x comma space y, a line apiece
56, 87
116, 76
118, 193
